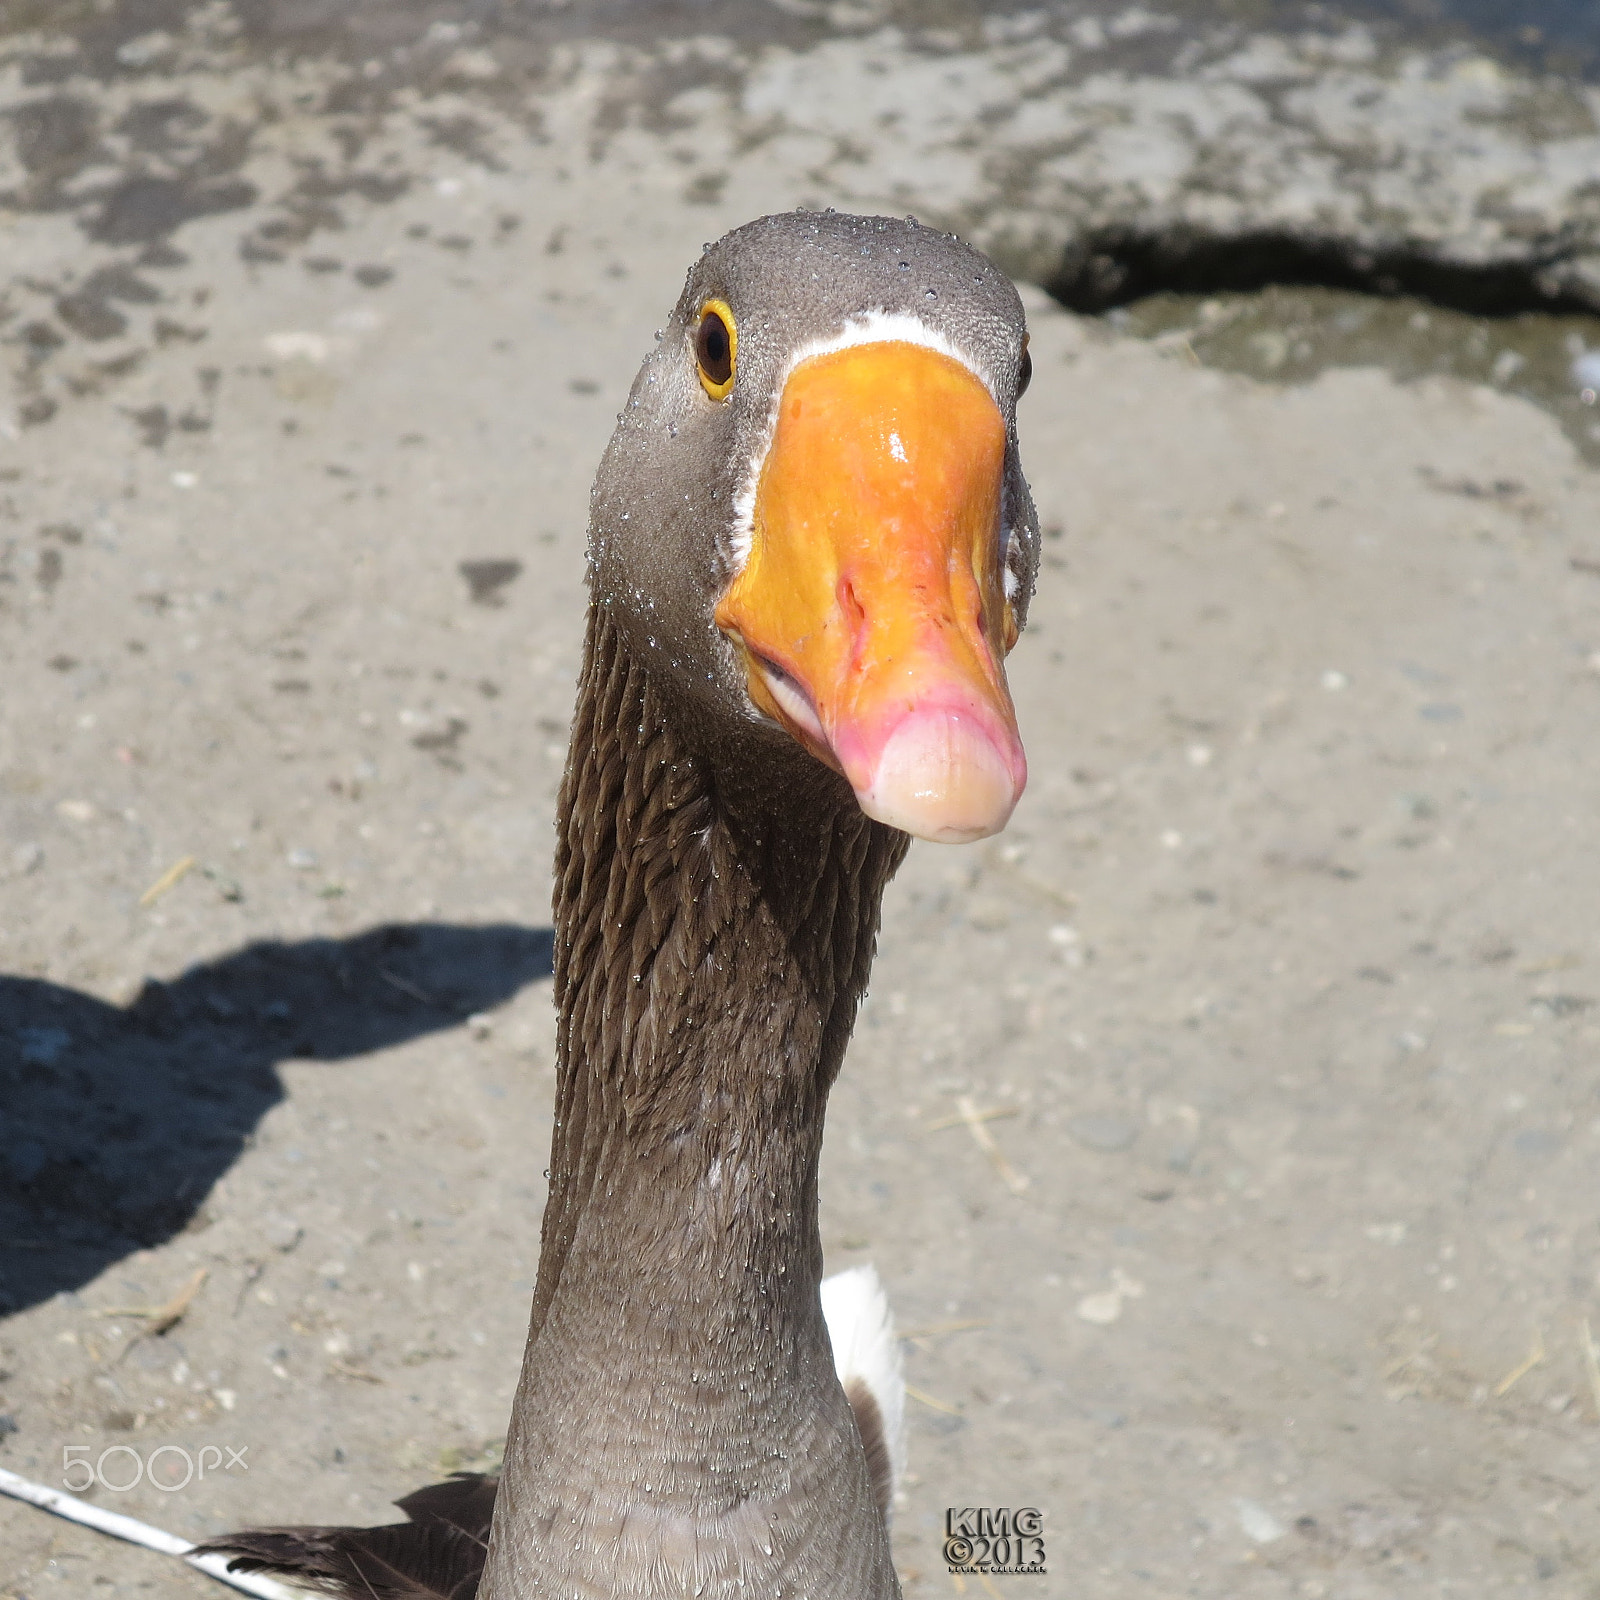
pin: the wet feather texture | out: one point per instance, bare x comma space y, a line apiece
439, 1551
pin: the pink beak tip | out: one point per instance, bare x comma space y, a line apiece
942, 774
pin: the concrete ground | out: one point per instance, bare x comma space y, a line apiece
1284, 1279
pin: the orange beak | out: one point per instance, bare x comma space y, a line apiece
870, 610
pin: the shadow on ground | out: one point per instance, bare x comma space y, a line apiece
115, 1123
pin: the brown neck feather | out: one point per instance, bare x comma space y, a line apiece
714, 931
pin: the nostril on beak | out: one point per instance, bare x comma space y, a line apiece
854, 612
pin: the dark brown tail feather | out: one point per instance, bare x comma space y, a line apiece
437, 1554
869, 1424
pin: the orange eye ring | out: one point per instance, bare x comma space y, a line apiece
716, 348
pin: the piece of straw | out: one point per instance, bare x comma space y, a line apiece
163, 1317
928, 1400
992, 1115
1591, 1363
1519, 1372
168, 880
974, 1119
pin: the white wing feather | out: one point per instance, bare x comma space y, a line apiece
865, 1348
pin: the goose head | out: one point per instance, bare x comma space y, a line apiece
811, 525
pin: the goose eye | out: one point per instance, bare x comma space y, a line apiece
716, 345
1025, 371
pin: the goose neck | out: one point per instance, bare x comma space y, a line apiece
711, 947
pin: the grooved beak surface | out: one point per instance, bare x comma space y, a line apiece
871, 611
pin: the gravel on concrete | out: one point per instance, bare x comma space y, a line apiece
1286, 968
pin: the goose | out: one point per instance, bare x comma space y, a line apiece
811, 548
